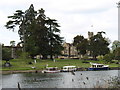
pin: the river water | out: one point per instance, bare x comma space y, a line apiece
81, 79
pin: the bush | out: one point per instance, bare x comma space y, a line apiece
100, 58
117, 53
108, 57
24, 55
117, 57
85, 62
85, 58
6, 53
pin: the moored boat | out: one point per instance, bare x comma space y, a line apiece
96, 66
69, 68
51, 70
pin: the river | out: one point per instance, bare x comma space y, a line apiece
81, 79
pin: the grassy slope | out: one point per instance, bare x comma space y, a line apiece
22, 64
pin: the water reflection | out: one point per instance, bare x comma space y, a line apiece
81, 79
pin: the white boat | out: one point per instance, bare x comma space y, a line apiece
69, 68
96, 66
51, 70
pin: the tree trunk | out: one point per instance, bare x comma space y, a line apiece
51, 57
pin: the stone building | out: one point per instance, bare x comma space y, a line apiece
70, 51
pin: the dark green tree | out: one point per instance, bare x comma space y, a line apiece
38, 34
6, 53
98, 45
41, 33
55, 41
16, 20
29, 29
81, 44
108, 57
117, 53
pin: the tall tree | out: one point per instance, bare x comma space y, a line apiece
81, 44
98, 45
38, 34
16, 20
29, 29
41, 34
55, 41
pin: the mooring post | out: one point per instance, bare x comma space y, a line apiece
19, 86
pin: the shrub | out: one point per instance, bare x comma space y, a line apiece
85, 58
6, 53
108, 57
24, 55
100, 58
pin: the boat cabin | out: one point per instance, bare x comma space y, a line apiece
52, 68
96, 66
69, 68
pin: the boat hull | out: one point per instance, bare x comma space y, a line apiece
68, 70
95, 69
46, 71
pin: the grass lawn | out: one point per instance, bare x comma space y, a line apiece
22, 64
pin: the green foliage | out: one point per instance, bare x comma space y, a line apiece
117, 53
6, 53
98, 45
54, 40
24, 55
108, 57
115, 44
100, 57
81, 44
12, 43
38, 33
22, 64
85, 58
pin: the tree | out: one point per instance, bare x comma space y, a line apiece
16, 20
98, 45
38, 33
55, 41
29, 29
12, 43
115, 44
81, 44
109, 57
6, 53
117, 53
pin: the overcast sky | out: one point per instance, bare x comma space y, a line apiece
74, 16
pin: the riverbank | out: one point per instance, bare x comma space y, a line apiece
39, 71
28, 65
20, 71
